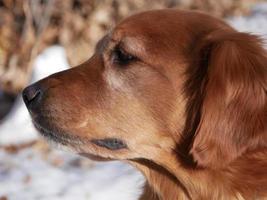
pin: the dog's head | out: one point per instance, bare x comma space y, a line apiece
165, 81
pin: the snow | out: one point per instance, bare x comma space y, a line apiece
31, 174
256, 23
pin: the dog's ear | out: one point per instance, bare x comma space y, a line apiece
232, 87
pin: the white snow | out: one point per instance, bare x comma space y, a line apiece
256, 23
31, 174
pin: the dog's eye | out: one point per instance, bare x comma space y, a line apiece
121, 57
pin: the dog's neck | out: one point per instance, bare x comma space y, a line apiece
160, 184
172, 181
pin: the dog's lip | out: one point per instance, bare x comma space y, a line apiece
95, 157
58, 136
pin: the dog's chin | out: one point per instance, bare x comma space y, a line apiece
60, 140
56, 135
55, 138
95, 157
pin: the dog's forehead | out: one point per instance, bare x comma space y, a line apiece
170, 29
167, 23
138, 33
142, 25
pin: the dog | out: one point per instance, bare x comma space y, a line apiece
178, 94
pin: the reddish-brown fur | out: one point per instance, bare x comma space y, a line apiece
191, 107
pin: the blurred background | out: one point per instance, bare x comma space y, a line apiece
40, 37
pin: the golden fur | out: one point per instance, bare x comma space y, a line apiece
178, 94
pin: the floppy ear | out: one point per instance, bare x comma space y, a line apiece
233, 114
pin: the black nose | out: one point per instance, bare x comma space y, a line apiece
32, 95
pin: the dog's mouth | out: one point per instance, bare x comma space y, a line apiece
80, 145
58, 136
66, 140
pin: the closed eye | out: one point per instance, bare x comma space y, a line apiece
121, 57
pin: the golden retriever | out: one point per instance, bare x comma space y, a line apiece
178, 94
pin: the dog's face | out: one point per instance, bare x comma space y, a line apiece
133, 98
121, 103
